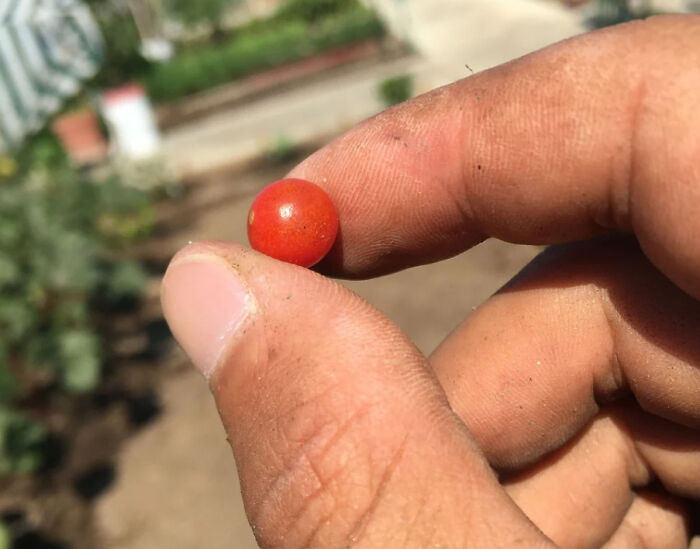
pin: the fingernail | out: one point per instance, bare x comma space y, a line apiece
205, 303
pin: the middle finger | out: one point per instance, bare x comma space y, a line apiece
581, 326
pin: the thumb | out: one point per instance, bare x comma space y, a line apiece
341, 434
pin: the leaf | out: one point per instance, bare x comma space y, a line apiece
5, 541
10, 272
21, 441
8, 383
80, 358
69, 313
39, 353
66, 260
126, 279
16, 319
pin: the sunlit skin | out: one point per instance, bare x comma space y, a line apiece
566, 410
293, 220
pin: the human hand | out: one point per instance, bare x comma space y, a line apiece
566, 409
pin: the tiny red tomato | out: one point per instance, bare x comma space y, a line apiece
293, 220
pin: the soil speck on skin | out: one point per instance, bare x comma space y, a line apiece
289, 297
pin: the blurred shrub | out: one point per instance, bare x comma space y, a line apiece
613, 12
262, 46
312, 11
198, 70
21, 443
61, 241
282, 150
396, 89
43, 153
345, 28
199, 11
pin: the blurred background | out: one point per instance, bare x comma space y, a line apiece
127, 129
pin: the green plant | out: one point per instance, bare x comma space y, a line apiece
396, 89
43, 153
270, 45
21, 441
207, 67
314, 10
613, 12
5, 541
346, 28
58, 258
282, 150
122, 58
200, 11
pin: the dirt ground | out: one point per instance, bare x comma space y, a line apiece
177, 484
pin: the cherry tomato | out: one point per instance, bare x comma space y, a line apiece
293, 220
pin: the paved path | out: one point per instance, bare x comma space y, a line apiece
178, 486
451, 33
301, 115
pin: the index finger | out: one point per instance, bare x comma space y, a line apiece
594, 134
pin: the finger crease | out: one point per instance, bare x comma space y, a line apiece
361, 524
622, 208
604, 392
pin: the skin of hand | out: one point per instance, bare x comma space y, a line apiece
566, 410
